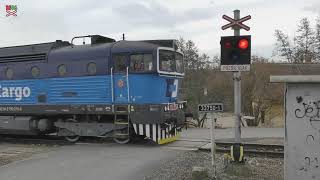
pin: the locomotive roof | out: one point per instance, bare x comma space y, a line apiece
65, 50
127, 46
29, 52
100, 50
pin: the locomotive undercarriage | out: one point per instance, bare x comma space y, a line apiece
123, 123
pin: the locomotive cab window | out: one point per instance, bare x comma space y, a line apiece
141, 63
170, 61
120, 64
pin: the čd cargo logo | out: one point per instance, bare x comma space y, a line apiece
15, 92
11, 10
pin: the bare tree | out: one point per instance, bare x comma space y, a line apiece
258, 59
193, 59
204, 62
215, 62
257, 93
283, 46
191, 55
304, 41
181, 44
303, 50
196, 66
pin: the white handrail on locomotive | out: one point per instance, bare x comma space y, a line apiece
112, 89
128, 87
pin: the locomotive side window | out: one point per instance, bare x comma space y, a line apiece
35, 71
62, 69
119, 63
179, 63
92, 68
9, 73
141, 62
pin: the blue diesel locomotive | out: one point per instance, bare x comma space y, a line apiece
120, 89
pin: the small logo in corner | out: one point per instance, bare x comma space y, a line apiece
11, 10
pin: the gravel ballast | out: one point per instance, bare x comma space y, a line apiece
255, 168
12, 153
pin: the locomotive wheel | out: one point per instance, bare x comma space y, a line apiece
74, 138
123, 140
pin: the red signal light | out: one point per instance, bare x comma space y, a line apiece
227, 45
243, 44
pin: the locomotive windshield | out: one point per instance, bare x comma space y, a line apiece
170, 61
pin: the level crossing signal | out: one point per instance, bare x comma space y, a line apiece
235, 50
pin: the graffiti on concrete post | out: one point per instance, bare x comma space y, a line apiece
309, 112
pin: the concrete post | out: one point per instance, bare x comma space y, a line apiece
237, 89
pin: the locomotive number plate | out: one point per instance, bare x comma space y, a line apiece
213, 107
173, 107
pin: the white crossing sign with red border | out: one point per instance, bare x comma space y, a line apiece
236, 23
233, 68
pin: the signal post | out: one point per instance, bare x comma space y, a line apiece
236, 57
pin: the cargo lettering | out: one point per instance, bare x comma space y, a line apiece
17, 92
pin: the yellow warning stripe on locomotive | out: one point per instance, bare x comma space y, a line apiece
156, 133
168, 140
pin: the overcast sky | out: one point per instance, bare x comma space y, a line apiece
198, 20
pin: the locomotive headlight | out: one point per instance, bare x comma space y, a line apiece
155, 108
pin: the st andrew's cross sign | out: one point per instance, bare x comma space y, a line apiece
236, 23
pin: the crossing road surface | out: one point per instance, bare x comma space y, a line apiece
112, 161
90, 161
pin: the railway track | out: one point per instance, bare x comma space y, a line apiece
270, 150
51, 140
252, 149
48, 140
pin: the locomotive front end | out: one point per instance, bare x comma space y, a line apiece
162, 118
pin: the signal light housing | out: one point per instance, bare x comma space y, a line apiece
235, 50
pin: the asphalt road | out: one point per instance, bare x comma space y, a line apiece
112, 161
90, 162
